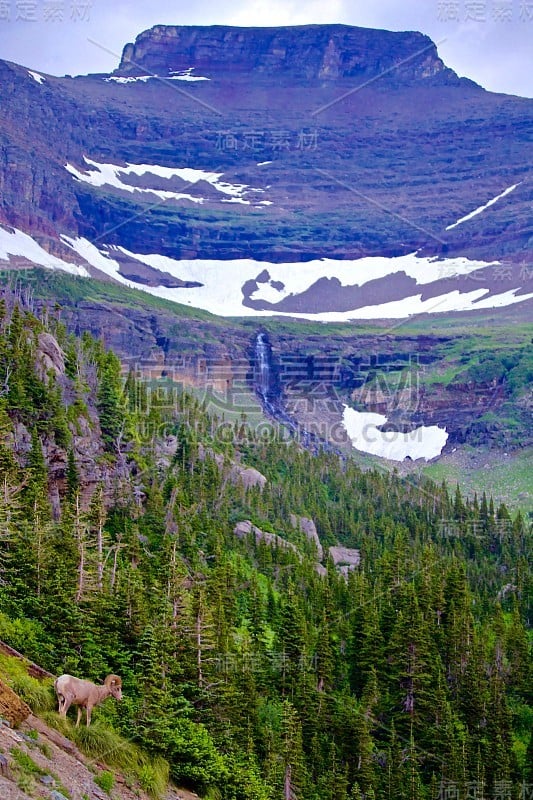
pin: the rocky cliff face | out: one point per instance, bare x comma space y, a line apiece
391, 371
306, 52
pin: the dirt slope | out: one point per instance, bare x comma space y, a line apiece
57, 770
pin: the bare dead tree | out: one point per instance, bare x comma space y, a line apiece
5, 387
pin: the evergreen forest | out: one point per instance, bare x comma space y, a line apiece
253, 671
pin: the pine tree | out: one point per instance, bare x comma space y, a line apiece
111, 409
293, 762
324, 655
36, 490
519, 655
413, 666
291, 641
72, 476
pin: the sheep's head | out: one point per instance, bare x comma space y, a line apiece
114, 684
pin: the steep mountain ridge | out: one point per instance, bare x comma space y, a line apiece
257, 154
240, 185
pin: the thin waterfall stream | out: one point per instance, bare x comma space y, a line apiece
262, 372
268, 389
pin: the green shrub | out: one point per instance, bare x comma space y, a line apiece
25, 635
25, 783
105, 780
192, 754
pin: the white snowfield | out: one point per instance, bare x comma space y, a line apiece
222, 281
110, 175
92, 255
363, 429
36, 77
174, 75
482, 208
16, 243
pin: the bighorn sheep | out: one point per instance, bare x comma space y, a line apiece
85, 694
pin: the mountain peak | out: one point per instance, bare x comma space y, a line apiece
305, 52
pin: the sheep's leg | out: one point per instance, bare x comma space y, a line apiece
80, 709
89, 712
64, 705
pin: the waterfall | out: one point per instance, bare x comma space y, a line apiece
267, 385
262, 377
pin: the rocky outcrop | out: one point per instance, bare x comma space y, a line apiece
12, 708
87, 448
245, 528
346, 559
61, 771
249, 477
49, 356
308, 527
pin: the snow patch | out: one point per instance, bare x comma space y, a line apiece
36, 77
482, 208
363, 429
17, 243
357, 272
90, 253
120, 79
110, 175
185, 75
222, 282
174, 75
263, 163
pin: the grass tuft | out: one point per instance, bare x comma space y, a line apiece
153, 777
26, 763
39, 695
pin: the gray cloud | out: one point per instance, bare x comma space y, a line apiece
492, 49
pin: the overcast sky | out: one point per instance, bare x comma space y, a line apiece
486, 40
